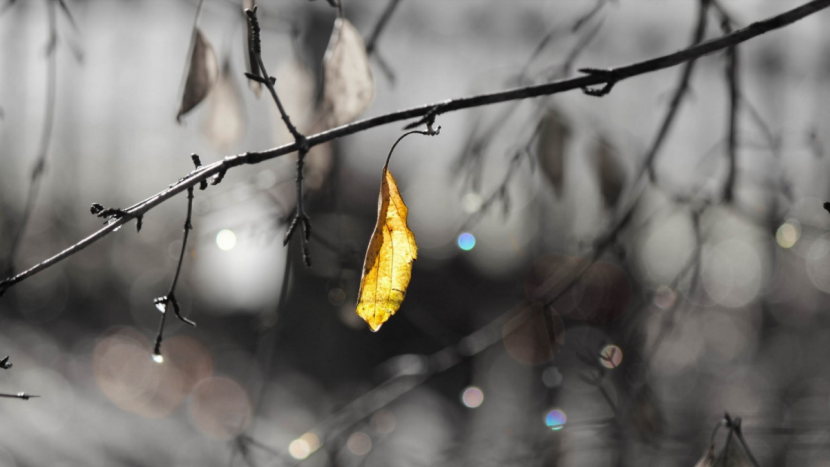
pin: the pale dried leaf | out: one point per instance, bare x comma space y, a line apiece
610, 171
296, 87
552, 143
348, 86
201, 74
225, 122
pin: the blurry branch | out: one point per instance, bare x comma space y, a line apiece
733, 83
300, 216
679, 93
45, 140
371, 43
19, 395
429, 112
163, 303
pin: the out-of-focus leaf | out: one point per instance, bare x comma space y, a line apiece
387, 268
600, 295
708, 459
201, 74
296, 87
533, 333
250, 58
554, 134
348, 86
646, 414
225, 122
733, 454
610, 171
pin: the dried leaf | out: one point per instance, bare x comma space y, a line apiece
388, 264
201, 74
250, 58
225, 122
732, 454
296, 87
610, 171
708, 459
553, 139
533, 334
348, 86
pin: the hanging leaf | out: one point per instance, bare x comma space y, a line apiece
225, 122
348, 86
610, 171
388, 264
554, 134
708, 458
251, 65
201, 75
732, 455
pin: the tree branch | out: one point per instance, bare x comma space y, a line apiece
617, 74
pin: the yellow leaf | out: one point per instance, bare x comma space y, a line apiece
388, 264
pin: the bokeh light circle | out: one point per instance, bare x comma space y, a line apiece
555, 419
359, 443
220, 408
226, 240
472, 397
611, 356
466, 241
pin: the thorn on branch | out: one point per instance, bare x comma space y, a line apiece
5, 363
610, 76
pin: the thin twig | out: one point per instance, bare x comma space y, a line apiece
733, 83
300, 216
621, 73
371, 43
19, 395
165, 302
677, 98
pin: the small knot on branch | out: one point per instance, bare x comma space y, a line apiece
113, 214
610, 76
428, 119
5, 363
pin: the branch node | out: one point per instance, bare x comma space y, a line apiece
610, 76
5, 363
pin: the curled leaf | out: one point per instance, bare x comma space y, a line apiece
201, 73
554, 134
388, 264
225, 122
348, 86
610, 171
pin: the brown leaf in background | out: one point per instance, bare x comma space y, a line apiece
610, 171
733, 454
554, 134
387, 268
533, 333
201, 74
250, 58
225, 122
601, 294
646, 414
348, 86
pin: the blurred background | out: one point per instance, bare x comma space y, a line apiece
564, 309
